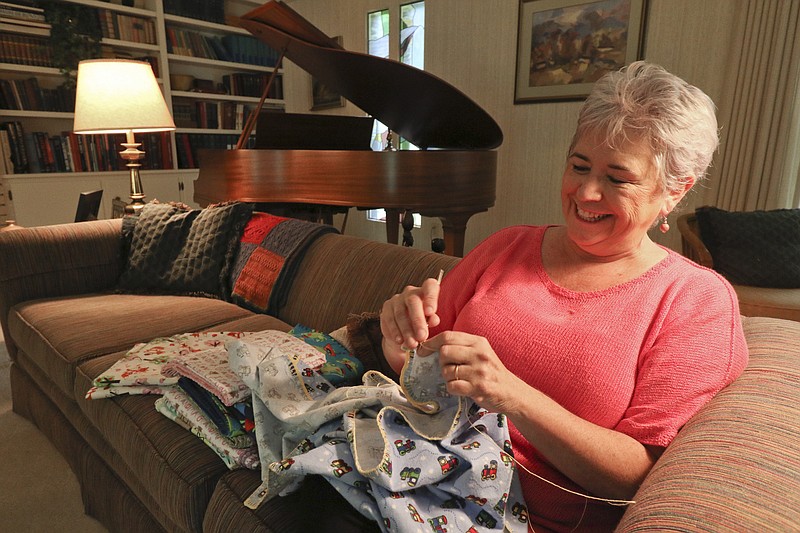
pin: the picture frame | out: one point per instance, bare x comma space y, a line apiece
322, 97
564, 46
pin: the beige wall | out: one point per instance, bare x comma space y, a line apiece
472, 45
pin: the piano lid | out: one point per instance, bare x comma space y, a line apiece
424, 109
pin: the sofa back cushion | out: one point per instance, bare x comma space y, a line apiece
342, 275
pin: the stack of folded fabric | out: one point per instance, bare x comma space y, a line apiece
202, 393
225, 429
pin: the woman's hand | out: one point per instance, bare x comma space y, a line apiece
602, 460
405, 319
471, 368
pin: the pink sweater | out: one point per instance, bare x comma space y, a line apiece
641, 357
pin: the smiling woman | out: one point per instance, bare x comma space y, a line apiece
597, 343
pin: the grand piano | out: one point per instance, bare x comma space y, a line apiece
452, 176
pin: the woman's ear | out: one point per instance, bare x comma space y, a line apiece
676, 195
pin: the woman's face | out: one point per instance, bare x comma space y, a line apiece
611, 196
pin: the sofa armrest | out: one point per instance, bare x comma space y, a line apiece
52, 261
734, 466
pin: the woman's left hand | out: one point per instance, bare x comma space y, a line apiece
471, 368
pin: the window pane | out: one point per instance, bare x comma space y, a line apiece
412, 34
378, 24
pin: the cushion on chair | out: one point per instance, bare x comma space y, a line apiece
755, 248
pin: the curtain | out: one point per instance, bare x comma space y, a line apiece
757, 167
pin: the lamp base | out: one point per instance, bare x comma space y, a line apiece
133, 155
134, 208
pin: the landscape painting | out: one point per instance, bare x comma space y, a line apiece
564, 46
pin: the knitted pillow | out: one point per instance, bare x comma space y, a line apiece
756, 248
183, 251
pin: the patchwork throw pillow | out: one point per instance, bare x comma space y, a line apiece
270, 251
176, 250
756, 248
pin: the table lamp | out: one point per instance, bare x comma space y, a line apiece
121, 96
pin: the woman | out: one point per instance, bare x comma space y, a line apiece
596, 342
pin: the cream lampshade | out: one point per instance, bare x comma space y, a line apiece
121, 96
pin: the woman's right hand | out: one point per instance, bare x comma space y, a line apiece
406, 317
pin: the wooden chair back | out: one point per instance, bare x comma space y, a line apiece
691, 242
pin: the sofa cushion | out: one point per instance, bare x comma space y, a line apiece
332, 265
251, 322
227, 513
727, 453
60, 333
766, 301
757, 248
179, 251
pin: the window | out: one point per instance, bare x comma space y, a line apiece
411, 40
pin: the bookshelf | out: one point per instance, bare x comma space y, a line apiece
207, 82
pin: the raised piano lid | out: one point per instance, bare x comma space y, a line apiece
424, 109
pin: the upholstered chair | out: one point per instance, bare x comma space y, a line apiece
754, 251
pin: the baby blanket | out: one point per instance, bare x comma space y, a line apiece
410, 457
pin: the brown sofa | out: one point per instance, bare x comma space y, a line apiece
735, 467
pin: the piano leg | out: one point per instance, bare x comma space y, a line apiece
392, 228
454, 227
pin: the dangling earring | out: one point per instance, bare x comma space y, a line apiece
664, 226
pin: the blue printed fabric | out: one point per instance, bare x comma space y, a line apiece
341, 367
410, 457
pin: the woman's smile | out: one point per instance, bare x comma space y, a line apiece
589, 216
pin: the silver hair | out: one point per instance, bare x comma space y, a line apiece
643, 100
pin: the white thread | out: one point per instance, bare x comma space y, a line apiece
556, 485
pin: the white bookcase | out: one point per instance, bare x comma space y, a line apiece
51, 197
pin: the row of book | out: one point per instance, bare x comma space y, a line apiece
29, 96
234, 48
127, 27
25, 50
253, 85
208, 10
210, 115
37, 152
189, 144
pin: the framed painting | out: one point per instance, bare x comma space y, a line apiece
564, 46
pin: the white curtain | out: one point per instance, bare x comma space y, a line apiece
757, 167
